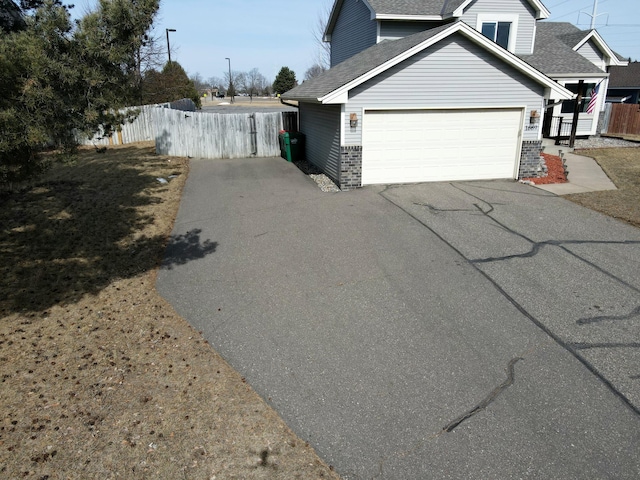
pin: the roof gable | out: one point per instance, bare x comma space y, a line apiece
595, 37
625, 77
333, 85
556, 50
456, 8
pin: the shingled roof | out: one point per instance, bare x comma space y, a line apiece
625, 77
553, 51
358, 65
410, 7
401, 9
375, 59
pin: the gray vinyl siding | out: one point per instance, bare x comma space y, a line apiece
585, 124
354, 31
592, 53
526, 19
321, 125
454, 73
394, 30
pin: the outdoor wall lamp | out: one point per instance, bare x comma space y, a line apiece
353, 120
535, 117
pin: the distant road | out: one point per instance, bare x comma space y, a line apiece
246, 105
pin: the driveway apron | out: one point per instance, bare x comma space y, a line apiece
472, 330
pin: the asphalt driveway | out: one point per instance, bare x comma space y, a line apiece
458, 330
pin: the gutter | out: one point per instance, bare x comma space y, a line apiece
283, 102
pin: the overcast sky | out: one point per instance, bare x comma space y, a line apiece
269, 35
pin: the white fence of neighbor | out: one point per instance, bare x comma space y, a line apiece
215, 135
141, 129
180, 131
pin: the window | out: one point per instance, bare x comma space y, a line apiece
569, 105
502, 28
498, 32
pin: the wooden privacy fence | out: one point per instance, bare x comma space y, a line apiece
215, 135
142, 129
624, 119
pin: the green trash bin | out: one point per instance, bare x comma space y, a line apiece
292, 146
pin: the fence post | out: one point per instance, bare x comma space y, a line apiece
559, 134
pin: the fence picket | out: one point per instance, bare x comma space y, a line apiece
625, 119
214, 135
202, 135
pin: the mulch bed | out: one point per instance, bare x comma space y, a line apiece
555, 171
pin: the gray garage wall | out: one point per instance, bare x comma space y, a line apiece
453, 73
321, 125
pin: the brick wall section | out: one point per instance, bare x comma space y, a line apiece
350, 167
531, 162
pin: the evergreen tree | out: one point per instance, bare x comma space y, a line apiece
285, 81
171, 84
57, 77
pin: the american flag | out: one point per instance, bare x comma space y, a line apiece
594, 99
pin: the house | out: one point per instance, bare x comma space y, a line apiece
567, 54
436, 90
624, 84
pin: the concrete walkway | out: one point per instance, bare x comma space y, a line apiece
585, 175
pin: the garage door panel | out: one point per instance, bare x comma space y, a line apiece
421, 146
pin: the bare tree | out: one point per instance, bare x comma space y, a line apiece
323, 55
200, 83
314, 71
217, 84
233, 83
254, 82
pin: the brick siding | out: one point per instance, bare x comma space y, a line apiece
531, 162
350, 167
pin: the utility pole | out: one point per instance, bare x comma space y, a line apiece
169, 46
594, 14
230, 92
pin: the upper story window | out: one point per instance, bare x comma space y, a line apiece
501, 28
498, 32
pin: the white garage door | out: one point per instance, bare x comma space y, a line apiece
404, 146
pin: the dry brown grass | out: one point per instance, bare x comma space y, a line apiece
622, 165
100, 378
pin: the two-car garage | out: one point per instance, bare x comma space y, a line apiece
405, 146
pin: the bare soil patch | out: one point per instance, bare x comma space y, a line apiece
622, 165
100, 378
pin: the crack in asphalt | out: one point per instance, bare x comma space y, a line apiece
556, 338
537, 246
421, 443
489, 399
587, 346
436, 210
603, 318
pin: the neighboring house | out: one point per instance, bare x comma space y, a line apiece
624, 84
435, 90
567, 54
